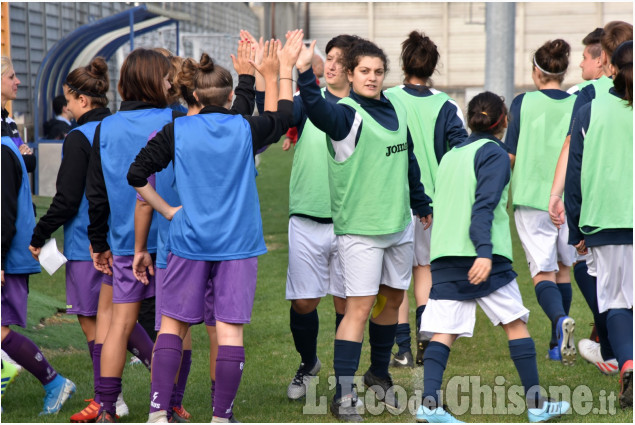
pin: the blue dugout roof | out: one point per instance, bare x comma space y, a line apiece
99, 38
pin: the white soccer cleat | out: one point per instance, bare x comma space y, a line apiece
591, 352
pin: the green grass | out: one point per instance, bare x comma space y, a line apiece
271, 358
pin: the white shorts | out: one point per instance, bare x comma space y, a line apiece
613, 266
422, 243
455, 317
368, 261
543, 242
314, 265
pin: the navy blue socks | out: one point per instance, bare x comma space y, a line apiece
304, 328
435, 360
550, 300
523, 353
381, 341
620, 328
402, 338
345, 363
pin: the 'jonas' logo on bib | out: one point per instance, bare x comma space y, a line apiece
396, 148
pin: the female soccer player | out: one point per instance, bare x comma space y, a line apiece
18, 221
537, 128
143, 86
599, 206
217, 235
85, 90
436, 125
471, 253
374, 181
243, 104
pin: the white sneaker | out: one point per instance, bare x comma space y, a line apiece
121, 406
591, 352
158, 417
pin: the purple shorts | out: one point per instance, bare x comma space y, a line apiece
126, 288
14, 299
159, 277
83, 283
205, 290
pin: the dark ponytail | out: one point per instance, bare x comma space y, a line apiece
552, 58
419, 56
622, 60
486, 113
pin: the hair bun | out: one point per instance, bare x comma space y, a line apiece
206, 64
559, 48
97, 67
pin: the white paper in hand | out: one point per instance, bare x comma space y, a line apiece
50, 258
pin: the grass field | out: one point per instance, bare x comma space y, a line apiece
271, 359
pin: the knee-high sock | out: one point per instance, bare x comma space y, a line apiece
381, 339
523, 353
229, 371
435, 359
166, 362
29, 356
346, 356
184, 372
550, 300
109, 389
588, 287
305, 328
141, 345
97, 369
402, 338
620, 326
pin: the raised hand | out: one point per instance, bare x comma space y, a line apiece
244, 57
270, 64
305, 57
288, 54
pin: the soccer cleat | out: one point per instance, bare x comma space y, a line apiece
554, 354
297, 388
435, 416
57, 395
383, 388
160, 416
179, 414
550, 409
626, 385
121, 407
591, 352
7, 359
105, 418
87, 414
9, 372
422, 344
345, 408
402, 360
564, 333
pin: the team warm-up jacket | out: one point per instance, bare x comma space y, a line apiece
71, 181
586, 94
164, 183
449, 128
340, 121
222, 134
449, 274
573, 194
18, 218
11, 128
301, 172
